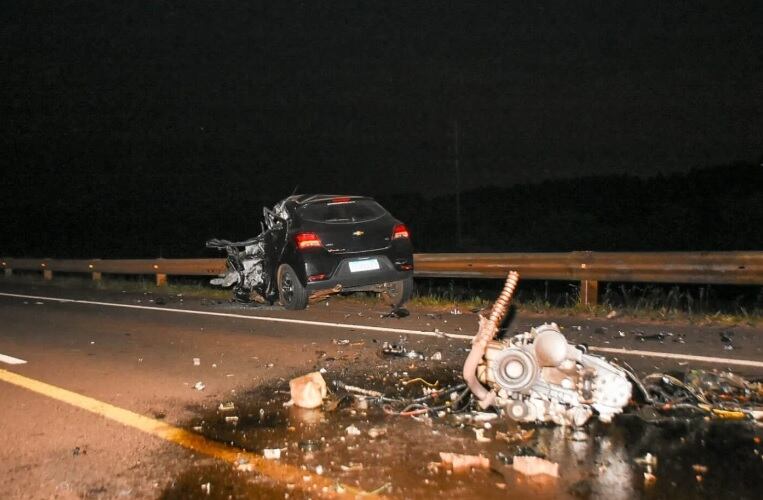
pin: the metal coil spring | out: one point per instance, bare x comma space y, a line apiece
500, 307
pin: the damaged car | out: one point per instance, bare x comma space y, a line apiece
312, 246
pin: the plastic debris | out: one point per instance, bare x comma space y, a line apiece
206, 488
612, 314
483, 416
196, 362
352, 430
199, 386
341, 341
232, 420
399, 312
456, 311
308, 390
229, 406
479, 434
376, 432
519, 436
463, 463
727, 339
531, 466
649, 462
351, 467
436, 356
272, 453
700, 469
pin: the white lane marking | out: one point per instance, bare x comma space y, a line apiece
11, 360
682, 357
609, 350
245, 316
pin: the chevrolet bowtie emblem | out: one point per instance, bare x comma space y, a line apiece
358, 233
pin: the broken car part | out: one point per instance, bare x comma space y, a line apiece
539, 376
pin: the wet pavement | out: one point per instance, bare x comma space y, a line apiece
398, 456
144, 359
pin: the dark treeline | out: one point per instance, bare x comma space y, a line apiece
719, 208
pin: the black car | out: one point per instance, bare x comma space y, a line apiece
314, 245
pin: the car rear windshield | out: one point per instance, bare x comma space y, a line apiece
344, 211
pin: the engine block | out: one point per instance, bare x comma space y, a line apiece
539, 377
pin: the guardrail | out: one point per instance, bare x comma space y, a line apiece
723, 268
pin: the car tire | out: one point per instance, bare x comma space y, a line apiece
398, 292
290, 290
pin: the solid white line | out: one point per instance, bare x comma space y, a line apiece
246, 316
11, 360
609, 350
683, 357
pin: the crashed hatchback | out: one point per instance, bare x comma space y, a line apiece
316, 245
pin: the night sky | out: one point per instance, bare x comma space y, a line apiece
245, 97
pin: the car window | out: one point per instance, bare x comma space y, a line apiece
345, 211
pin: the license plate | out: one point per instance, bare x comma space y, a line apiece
358, 266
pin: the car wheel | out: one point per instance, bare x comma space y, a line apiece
293, 295
398, 293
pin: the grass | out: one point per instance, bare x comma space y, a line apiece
698, 305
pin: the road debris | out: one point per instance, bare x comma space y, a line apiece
376, 432
229, 406
531, 466
357, 390
421, 380
206, 488
196, 362
519, 436
307, 391
727, 339
463, 463
352, 430
399, 312
649, 463
479, 435
199, 386
436, 356
272, 453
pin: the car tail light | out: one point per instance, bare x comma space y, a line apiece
400, 231
317, 277
307, 240
341, 199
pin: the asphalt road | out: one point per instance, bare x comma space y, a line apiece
130, 352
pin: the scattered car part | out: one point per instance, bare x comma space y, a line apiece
308, 390
532, 466
463, 463
539, 376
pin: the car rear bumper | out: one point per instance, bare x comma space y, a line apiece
343, 274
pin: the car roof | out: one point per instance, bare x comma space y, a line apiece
303, 199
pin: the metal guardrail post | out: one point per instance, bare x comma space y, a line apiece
97, 276
589, 293
47, 274
161, 279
